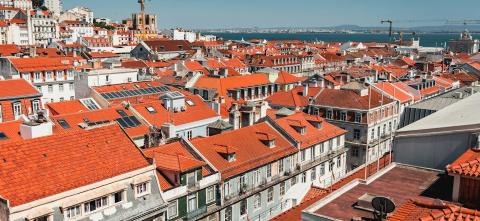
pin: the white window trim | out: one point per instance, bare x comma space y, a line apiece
176, 209
146, 192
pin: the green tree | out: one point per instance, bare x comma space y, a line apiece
37, 3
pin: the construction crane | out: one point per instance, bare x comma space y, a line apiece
390, 22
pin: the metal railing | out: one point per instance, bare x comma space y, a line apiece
196, 213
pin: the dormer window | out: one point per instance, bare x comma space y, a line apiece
227, 152
267, 139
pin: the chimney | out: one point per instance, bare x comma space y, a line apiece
305, 90
169, 130
36, 128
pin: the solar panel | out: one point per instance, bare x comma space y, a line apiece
143, 91
135, 92
129, 93
122, 123
123, 93
150, 90
122, 113
128, 122
135, 120
105, 96
117, 95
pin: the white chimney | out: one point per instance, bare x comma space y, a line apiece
32, 130
305, 90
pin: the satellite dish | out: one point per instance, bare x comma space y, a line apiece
382, 206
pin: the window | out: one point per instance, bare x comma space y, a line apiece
35, 105
192, 202
322, 169
118, 197
358, 117
322, 148
96, 204
282, 188
70, 74
294, 180
17, 109
332, 164
373, 134
330, 145
50, 88
71, 86
356, 134
73, 212
257, 201
49, 75
243, 207
303, 155
172, 209
339, 162
42, 218
304, 177
60, 87
313, 174
151, 110
242, 183
226, 188
37, 76
269, 170
210, 194
141, 189
343, 116
270, 195
228, 214
355, 152
329, 114
280, 166
189, 135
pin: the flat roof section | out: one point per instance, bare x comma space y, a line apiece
401, 184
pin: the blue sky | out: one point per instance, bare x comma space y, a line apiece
282, 13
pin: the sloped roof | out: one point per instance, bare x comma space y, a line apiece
38, 168
17, 88
250, 153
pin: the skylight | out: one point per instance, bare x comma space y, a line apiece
151, 110
3, 136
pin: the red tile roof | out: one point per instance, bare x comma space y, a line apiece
312, 134
108, 114
288, 78
433, 210
11, 130
173, 157
292, 98
395, 92
249, 154
350, 99
42, 64
66, 107
17, 88
9, 50
467, 165
196, 112
38, 168
430, 91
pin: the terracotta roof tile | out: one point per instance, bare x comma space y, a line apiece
249, 154
38, 168
17, 88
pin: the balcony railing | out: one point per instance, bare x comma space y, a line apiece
196, 213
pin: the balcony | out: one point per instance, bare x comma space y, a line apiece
322, 158
196, 213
